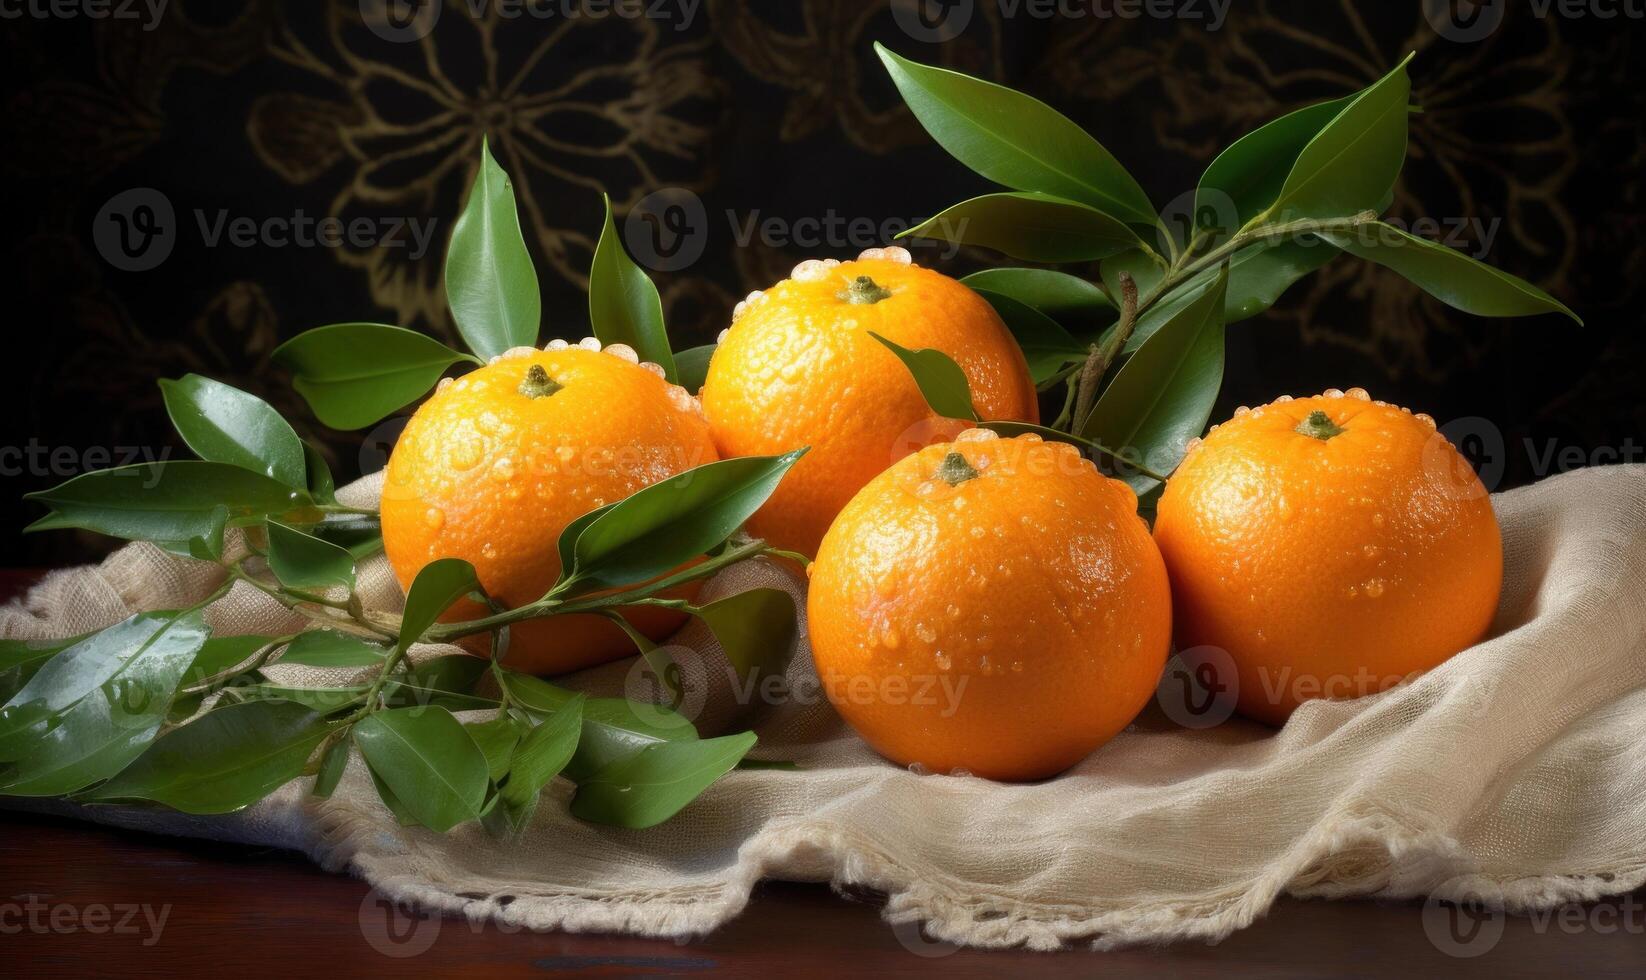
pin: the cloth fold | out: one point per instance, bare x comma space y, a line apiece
1511, 773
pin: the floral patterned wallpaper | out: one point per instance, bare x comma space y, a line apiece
774, 121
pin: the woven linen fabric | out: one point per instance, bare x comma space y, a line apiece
1512, 772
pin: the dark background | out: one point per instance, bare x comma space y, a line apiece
777, 108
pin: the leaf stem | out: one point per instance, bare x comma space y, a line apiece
1103, 354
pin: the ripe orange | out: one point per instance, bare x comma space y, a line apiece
494, 466
990, 605
1330, 547
798, 368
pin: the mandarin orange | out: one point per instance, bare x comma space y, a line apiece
798, 367
990, 605
495, 465
1329, 547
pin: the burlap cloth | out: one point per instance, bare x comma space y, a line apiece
1516, 770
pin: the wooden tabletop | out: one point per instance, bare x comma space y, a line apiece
79, 900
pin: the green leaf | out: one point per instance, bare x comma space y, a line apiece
543, 753
1258, 276
656, 529
1144, 268
208, 545
448, 682
624, 307
428, 760
756, 628
221, 653
354, 374
1250, 173
329, 648
941, 381
322, 487
1069, 300
1046, 345
613, 728
332, 765
358, 534
693, 365
439, 584
497, 739
223, 761
652, 785
1354, 161
301, 561
226, 425
92, 709
1016, 140
1447, 274
165, 502
325, 700
1164, 394
401, 813
1030, 226
491, 285
21, 659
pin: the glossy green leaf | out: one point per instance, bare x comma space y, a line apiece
1046, 345
358, 534
543, 753
693, 365
322, 486
940, 379
439, 584
497, 739
613, 728
624, 307
92, 709
1164, 394
1016, 140
301, 561
325, 700
1447, 274
21, 659
332, 765
329, 648
223, 424
1069, 300
667, 523
1258, 276
491, 285
1250, 173
207, 545
402, 814
448, 682
756, 629
221, 653
1351, 164
223, 761
1030, 226
163, 502
428, 760
354, 374
652, 785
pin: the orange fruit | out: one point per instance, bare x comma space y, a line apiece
1329, 547
990, 605
496, 463
798, 368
